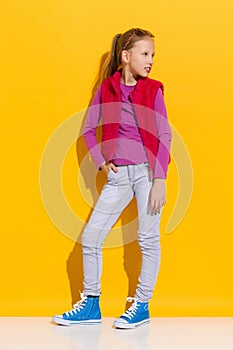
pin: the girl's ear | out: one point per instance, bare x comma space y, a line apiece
125, 56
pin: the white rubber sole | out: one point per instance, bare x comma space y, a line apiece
123, 325
63, 322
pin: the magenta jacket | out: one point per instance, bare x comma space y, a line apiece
126, 143
142, 97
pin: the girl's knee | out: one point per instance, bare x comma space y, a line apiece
92, 238
149, 241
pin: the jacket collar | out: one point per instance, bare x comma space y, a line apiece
115, 82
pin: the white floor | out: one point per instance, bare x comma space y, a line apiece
38, 333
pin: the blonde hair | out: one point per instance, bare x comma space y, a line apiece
121, 42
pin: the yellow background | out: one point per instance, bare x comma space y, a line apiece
51, 53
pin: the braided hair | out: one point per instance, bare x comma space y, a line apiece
122, 42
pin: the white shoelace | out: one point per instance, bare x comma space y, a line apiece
130, 313
78, 306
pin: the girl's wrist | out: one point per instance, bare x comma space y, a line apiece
101, 166
158, 181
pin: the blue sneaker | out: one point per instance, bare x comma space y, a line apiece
85, 311
136, 315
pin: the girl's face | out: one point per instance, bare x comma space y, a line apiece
140, 57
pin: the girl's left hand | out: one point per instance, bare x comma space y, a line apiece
157, 194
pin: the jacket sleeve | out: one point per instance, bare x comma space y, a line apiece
90, 126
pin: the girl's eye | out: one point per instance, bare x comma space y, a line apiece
145, 53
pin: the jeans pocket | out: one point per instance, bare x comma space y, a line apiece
110, 174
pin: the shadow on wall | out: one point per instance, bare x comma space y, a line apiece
132, 254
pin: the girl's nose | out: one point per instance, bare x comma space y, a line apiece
151, 60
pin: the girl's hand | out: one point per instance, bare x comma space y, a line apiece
157, 194
107, 166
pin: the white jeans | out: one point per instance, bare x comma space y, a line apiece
119, 190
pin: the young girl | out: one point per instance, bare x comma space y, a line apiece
135, 155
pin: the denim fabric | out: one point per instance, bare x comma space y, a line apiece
121, 187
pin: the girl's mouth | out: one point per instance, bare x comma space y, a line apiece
148, 69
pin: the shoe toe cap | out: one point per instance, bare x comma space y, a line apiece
57, 317
120, 320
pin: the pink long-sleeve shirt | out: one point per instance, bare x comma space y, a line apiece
129, 148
